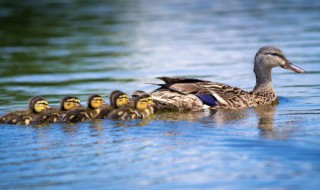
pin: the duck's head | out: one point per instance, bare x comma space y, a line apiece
69, 102
269, 57
38, 104
143, 102
119, 99
95, 101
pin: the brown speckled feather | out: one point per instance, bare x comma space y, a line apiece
104, 112
128, 112
49, 116
180, 94
79, 115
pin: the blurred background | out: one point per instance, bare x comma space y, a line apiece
56, 48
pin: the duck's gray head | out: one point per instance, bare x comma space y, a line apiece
269, 57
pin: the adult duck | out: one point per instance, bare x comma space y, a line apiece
195, 94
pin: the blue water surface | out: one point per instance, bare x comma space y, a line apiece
59, 48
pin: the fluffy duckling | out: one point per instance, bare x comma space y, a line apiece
117, 99
53, 115
95, 102
37, 105
137, 93
142, 108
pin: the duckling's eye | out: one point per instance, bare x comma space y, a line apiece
123, 97
98, 100
43, 103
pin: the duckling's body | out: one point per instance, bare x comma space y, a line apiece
195, 94
95, 102
55, 115
117, 99
37, 105
140, 109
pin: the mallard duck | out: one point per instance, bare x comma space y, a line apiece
95, 102
140, 109
195, 94
37, 105
54, 115
117, 100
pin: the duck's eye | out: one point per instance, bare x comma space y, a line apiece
277, 55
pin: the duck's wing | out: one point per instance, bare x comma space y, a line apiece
212, 94
125, 113
7, 117
20, 118
174, 80
75, 115
104, 112
49, 116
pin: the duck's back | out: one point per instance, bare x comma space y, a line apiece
125, 113
18, 117
104, 112
49, 116
194, 94
79, 115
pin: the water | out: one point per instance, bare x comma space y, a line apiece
57, 48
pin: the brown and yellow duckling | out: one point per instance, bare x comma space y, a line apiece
117, 99
137, 93
142, 108
95, 104
54, 115
37, 105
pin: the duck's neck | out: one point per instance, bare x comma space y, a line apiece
263, 85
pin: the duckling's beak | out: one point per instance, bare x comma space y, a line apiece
104, 103
288, 65
48, 107
79, 105
150, 105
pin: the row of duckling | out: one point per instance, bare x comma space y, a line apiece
121, 107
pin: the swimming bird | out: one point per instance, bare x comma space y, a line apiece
37, 105
140, 109
54, 115
117, 99
195, 94
95, 102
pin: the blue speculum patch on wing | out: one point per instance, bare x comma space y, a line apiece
208, 99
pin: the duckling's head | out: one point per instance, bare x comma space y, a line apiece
143, 102
95, 101
119, 99
38, 104
69, 102
137, 93
269, 57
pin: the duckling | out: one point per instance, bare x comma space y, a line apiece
95, 102
117, 99
137, 93
37, 105
53, 115
142, 108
